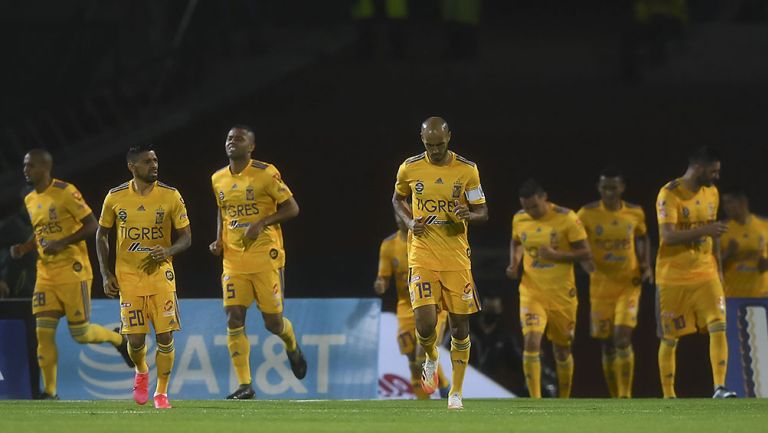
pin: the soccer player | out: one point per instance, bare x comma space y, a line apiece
689, 290
145, 211
744, 248
438, 194
621, 249
253, 200
549, 239
61, 220
393, 263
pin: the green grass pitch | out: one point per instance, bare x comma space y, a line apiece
517, 415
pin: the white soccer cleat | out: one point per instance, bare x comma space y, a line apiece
454, 402
429, 379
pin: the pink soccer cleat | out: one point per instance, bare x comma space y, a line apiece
140, 388
161, 402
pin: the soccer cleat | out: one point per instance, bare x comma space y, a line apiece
429, 377
243, 392
46, 396
161, 401
444, 391
454, 402
122, 349
298, 363
723, 392
140, 388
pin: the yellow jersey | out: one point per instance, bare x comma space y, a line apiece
558, 228
393, 261
742, 277
143, 222
693, 262
434, 190
55, 214
244, 199
611, 236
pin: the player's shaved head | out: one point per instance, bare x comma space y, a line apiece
435, 134
248, 131
37, 167
41, 156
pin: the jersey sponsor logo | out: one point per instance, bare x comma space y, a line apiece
52, 213
434, 205
159, 215
136, 247
241, 210
142, 233
169, 275
47, 228
122, 215
419, 187
614, 258
273, 253
77, 266
235, 224
613, 244
249, 195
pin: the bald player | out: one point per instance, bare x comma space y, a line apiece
253, 200
438, 194
61, 221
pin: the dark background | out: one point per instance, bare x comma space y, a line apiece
556, 90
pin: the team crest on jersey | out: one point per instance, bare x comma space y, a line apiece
599, 230
169, 275
249, 195
523, 236
273, 253
686, 212
456, 190
159, 215
122, 215
221, 195
77, 267
419, 187
52, 213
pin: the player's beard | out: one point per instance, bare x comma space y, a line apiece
148, 177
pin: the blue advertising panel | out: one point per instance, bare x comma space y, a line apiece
748, 346
14, 362
339, 338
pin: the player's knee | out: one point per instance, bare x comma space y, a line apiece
532, 342
622, 341
135, 340
274, 324
424, 329
235, 318
609, 347
669, 342
561, 351
165, 338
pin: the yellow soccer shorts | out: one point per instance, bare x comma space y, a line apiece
73, 299
559, 321
406, 331
265, 288
453, 291
613, 302
138, 311
685, 309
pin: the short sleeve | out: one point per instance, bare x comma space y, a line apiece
666, 207
215, 192
74, 203
107, 218
179, 217
515, 232
276, 188
402, 185
474, 191
385, 260
574, 231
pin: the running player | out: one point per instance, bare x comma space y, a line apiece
393, 263
621, 250
689, 290
253, 200
438, 194
62, 221
744, 248
548, 239
145, 211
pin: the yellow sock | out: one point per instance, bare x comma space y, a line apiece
667, 350
240, 353
429, 344
609, 372
47, 355
625, 371
164, 362
718, 352
565, 376
87, 333
288, 337
415, 367
532, 369
459, 361
139, 357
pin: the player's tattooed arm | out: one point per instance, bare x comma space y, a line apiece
671, 235
19, 250
515, 257
472, 213
111, 288
88, 228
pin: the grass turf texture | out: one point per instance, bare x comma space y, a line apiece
519, 415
